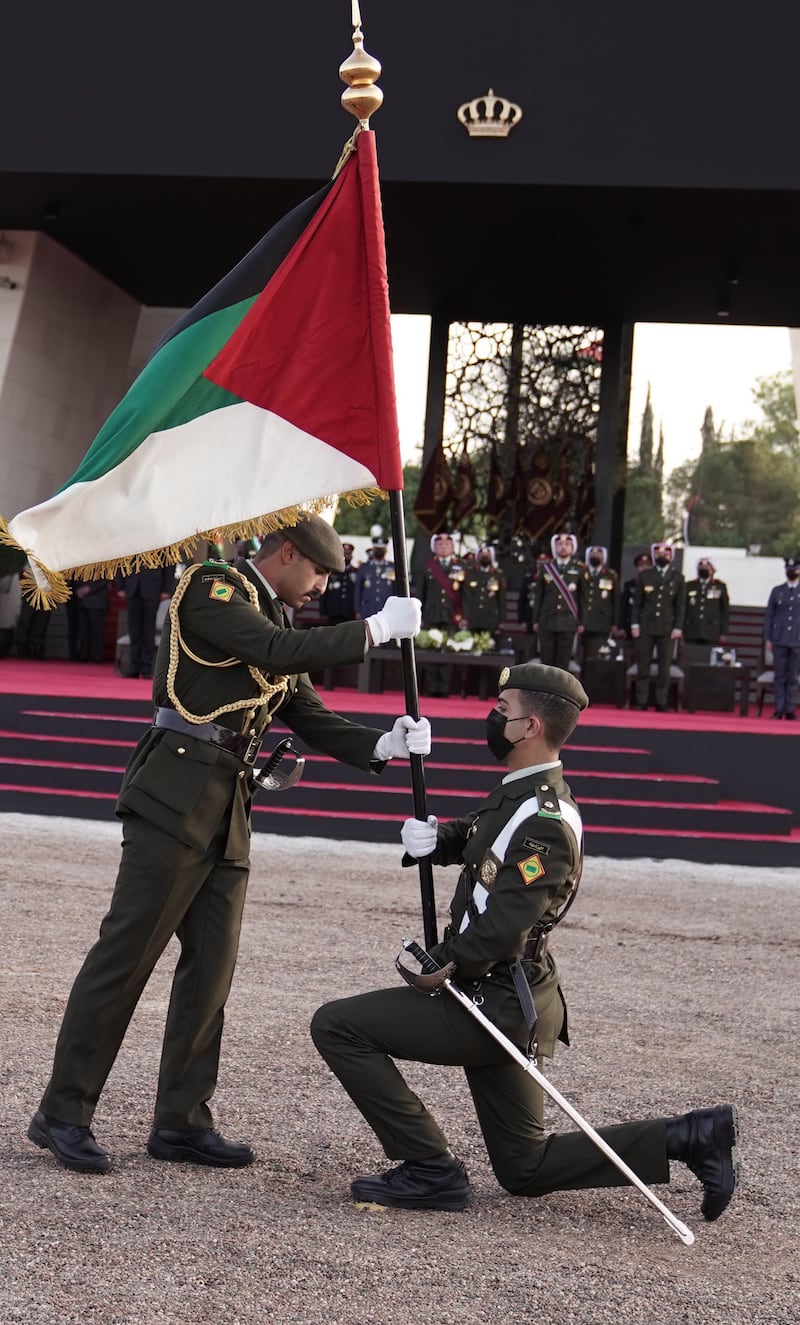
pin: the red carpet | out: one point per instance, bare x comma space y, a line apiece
99, 681
702, 786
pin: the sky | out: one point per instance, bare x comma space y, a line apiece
687, 367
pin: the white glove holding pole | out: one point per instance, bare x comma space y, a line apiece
407, 737
399, 618
419, 837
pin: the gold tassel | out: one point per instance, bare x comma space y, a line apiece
58, 591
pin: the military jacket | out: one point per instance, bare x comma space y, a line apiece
338, 599
659, 601
483, 599
375, 582
782, 620
184, 785
707, 611
600, 601
548, 608
521, 856
438, 609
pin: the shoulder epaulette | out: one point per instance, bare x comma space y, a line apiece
548, 801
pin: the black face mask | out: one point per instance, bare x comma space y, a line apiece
704, 575
792, 574
486, 561
595, 561
496, 738
379, 553
661, 562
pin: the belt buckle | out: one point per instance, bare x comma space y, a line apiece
251, 753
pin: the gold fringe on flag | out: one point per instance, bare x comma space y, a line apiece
56, 590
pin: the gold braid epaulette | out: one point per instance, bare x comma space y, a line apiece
270, 688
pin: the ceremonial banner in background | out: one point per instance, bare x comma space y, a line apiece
275, 392
435, 493
465, 498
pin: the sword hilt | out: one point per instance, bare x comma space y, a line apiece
429, 966
283, 747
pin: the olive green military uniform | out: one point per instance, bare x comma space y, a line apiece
185, 809
441, 610
659, 603
599, 607
707, 611
483, 599
556, 624
520, 865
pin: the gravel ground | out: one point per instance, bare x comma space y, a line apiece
682, 986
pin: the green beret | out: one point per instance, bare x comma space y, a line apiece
547, 680
318, 541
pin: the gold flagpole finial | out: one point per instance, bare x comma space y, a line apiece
360, 72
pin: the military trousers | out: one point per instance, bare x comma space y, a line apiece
786, 664
360, 1037
555, 647
664, 648
163, 888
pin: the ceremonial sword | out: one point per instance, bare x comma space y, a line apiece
269, 778
431, 967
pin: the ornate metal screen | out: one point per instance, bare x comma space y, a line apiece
520, 425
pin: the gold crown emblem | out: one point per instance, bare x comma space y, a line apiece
489, 116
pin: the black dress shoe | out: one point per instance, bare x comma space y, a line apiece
440, 1183
705, 1140
202, 1145
776, 714
662, 708
790, 717
74, 1147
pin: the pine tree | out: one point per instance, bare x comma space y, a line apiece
646, 438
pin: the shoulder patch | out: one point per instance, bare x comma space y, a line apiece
221, 591
531, 869
540, 847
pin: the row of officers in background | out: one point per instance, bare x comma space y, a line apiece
467, 592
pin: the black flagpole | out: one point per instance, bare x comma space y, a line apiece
412, 708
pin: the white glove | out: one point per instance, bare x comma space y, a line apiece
399, 618
418, 838
407, 737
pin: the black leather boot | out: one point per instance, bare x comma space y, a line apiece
438, 1183
74, 1147
203, 1145
705, 1140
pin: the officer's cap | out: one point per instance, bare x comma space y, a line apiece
792, 562
348, 547
642, 558
318, 541
546, 680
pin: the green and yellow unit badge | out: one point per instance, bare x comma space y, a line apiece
222, 592
531, 869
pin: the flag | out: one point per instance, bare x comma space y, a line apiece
496, 488
465, 498
435, 492
535, 496
275, 393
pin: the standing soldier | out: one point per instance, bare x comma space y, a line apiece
707, 612
483, 594
782, 631
374, 581
440, 586
338, 600
440, 593
659, 604
558, 601
600, 602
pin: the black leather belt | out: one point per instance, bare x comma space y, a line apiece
245, 748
